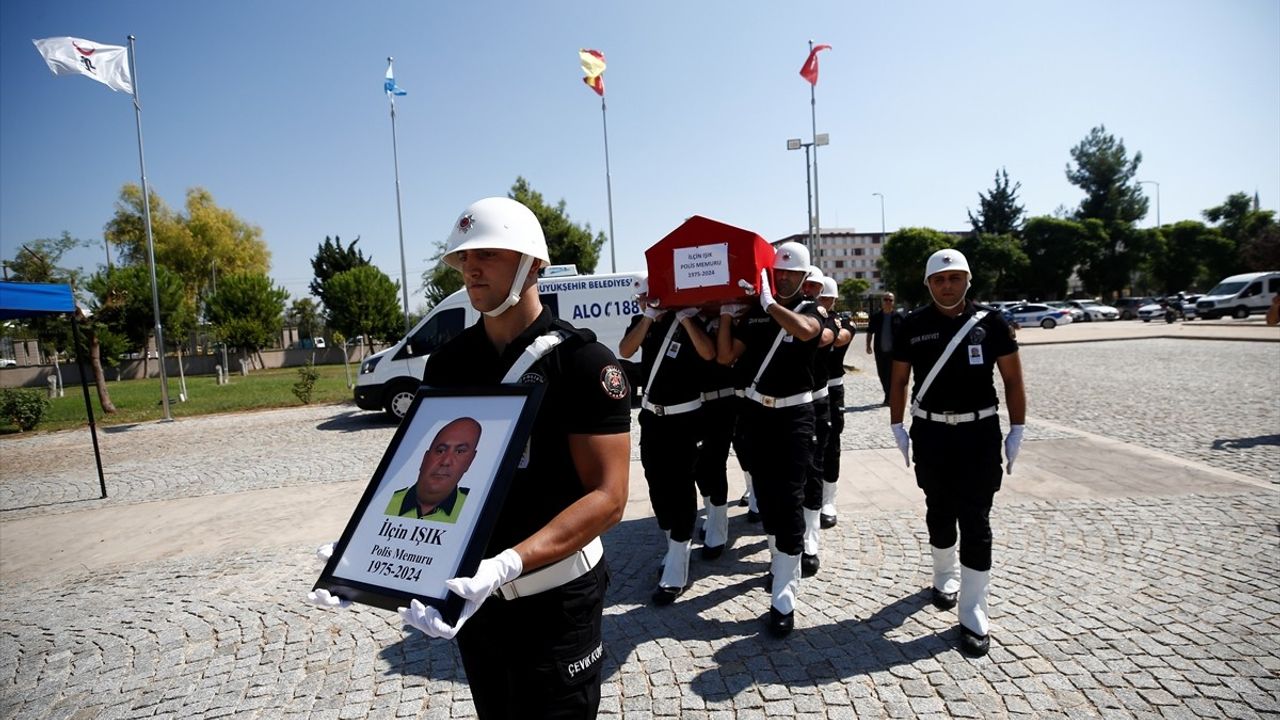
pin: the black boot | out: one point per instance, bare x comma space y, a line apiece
753, 516
943, 600
809, 565
827, 521
781, 624
973, 644
666, 595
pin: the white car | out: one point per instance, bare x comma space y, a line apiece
1038, 314
1096, 311
1151, 311
1077, 315
8, 362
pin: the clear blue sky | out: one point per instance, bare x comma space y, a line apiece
277, 109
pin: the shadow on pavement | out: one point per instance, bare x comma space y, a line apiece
1240, 443
355, 421
862, 408
118, 428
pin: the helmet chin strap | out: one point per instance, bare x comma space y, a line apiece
967, 284
517, 284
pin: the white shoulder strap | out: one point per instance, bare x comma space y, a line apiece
942, 359
776, 342
532, 354
666, 343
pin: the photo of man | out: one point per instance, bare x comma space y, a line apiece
437, 495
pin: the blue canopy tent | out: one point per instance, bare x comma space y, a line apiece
21, 300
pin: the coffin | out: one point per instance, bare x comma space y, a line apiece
701, 262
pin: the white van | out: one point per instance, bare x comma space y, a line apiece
603, 304
1240, 295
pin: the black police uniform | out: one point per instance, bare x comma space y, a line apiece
821, 419
671, 425
779, 440
540, 655
720, 420
835, 404
883, 344
957, 465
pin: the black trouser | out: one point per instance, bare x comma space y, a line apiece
821, 431
719, 418
668, 451
958, 467
538, 656
780, 441
831, 452
884, 368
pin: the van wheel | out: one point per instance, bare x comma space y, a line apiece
1240, 313
1048, 323
398, 400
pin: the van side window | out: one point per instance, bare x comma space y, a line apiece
434, 333
1253, 289
1273, 285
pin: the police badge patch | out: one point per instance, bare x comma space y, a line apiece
532, 378
977, 335
614, 382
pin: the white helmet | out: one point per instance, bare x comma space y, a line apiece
499, 223
947, 259
791, 256
815, 275
829, 289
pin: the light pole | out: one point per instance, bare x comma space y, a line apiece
796, 144
881, 196
1153, 182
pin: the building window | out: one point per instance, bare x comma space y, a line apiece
859, 275
876, 274
857, 251
875, 239
839, 263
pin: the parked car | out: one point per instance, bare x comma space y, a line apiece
1240, 295
8, 362
1092, 310
1077, 315
1128, 306
1038, 314
1151, 311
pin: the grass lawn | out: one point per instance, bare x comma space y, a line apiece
139, 400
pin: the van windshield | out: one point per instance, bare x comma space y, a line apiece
436, 332
1227, 288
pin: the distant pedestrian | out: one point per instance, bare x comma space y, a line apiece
882, 329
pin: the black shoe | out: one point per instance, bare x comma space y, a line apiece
973, 644
743, 501
826, 522
809, 565
666, 595
943, 600
753, 516
781, 624
711, 553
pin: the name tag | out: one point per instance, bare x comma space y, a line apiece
673, 349
975, 354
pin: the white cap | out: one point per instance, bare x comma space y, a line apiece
829, 289
791, 256
943, 260
496, 223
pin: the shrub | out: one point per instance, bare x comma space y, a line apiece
23, 407
307, 376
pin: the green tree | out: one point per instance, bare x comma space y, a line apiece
207, 241
332, 258
566, 242
1105, 173
363, 301
853, 293
440, 281
1054, 248
247, 311
1187, 247
123, 304
999, 212
902, 262
305, 316
1263, 251
997, 263
1242, 222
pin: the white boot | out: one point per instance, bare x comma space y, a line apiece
946, 576
717, 527
828, 504
974, 627
675, 573
751, 494
810, 532
786, 585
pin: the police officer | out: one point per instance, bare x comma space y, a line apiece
835, 402
771, 349
529, 633
719, 432
815, 482
951, 347
675, 347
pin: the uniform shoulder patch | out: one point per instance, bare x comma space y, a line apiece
822, 311
613, 382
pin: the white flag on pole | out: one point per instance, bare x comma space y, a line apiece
108, 64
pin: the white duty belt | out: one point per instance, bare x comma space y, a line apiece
662, 410
820, 393
771, 401
951, 418
710, 395
556, 574
835, 382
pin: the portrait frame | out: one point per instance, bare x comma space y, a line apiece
390, 553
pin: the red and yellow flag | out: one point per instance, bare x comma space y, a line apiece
810, 70
593, 68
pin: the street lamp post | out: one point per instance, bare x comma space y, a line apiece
1153, 182
809, 178
881, 196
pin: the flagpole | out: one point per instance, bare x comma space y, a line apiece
813, 115
151, 251
395, 154
608, 184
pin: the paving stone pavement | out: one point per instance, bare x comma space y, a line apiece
1135, 605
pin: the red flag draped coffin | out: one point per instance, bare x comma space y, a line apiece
702, 261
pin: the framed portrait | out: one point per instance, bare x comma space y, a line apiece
427, 514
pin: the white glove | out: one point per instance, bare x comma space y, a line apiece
732, 309
325, 551
493, 573
686, 313
747, 287
652, 312
901, 437
1012, 444
322, 598
766, 294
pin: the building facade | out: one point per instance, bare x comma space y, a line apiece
844, 253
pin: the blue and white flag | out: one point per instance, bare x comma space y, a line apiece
390, 84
